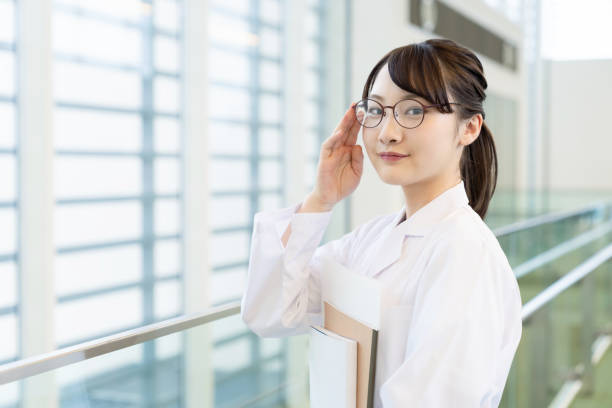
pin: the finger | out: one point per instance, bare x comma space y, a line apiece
340, 134
353, 133
348, 118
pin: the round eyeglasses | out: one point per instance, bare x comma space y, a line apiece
408, 113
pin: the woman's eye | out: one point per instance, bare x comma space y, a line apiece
374, 111
414, 111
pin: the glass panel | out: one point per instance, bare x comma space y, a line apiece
271, 42
167, 217
167, 54
125, 9
97, 315
8, 231
167, 94
96, 269
167, 299
270, 76
7, 21
270, 11
229, 139
238, 6
8, 340
9, 394
8, 285
95, 177
7, 130
167, 176
311, 117
229, 211
270, 141
311, 54
230, 31
312, 25
270, 202
77, 129
166, 15
7, 170
229, 175
7, 79
270, 109
312, 85
155, 373
98, 86
227, 285
99, 40
97, 223
270, 174
229, 103
167, 255
228, 67
167, 135
229, 247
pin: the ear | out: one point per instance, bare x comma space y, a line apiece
471, 129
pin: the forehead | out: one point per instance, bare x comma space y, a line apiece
386, 91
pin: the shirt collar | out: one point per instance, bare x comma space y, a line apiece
419, 224
426, 217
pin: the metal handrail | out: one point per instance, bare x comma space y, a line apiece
565, 282
564, 248
547, 219
55, 359
59, 358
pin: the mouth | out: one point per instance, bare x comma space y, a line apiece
392, 156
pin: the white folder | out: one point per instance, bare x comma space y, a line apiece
333, 369
333, 358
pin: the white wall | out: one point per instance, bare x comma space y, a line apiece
579, 134
376, 30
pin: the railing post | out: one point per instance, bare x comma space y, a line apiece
540, 347
588, 333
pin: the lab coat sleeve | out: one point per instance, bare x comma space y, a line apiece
282, 294
464, 330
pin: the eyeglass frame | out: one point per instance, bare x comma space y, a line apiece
425, 107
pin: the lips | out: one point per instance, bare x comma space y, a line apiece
390, 154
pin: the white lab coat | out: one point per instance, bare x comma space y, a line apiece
454, 322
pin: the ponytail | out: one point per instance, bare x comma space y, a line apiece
478, 167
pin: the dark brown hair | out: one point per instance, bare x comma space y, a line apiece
435, 69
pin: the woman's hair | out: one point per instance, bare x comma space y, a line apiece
435, 69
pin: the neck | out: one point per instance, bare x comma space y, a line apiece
420, 194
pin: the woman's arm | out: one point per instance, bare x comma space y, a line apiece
282, 295
310, 204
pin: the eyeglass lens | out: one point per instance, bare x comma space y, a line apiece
408, 113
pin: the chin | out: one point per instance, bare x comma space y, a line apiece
393, 177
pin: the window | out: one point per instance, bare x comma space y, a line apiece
117, 167
314, 115
9, 299
246, 170
589, 37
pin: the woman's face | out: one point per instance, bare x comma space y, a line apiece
433, 148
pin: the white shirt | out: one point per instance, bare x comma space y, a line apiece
454, 324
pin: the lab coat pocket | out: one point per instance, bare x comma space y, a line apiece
392, 339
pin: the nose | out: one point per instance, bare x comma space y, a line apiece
389, 128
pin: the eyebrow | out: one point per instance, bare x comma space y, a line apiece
404, 95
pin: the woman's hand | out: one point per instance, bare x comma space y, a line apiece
340, 163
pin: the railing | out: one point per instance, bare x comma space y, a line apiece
535, 315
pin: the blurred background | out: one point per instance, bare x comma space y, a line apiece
138, 138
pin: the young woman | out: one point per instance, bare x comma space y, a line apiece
450, 335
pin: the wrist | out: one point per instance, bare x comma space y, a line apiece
312, 203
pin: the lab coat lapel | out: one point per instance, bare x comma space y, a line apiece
388, 248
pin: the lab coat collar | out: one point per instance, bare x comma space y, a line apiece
419, 224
